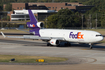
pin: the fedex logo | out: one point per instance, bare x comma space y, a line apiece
76, 36
52, 42
32, 25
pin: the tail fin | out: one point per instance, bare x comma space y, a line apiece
32, 17
33, 24
33, 21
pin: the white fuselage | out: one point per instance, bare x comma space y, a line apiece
80, 36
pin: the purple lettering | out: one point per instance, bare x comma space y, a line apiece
70, 34
74, 36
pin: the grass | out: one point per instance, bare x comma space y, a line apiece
102, 41
29, 59
102, 31
14, 31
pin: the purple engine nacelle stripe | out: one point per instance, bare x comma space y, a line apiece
32, 17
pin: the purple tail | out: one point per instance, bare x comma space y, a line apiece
32, 17
33, 21
33, 24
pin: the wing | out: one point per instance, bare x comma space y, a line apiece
33, 37
42, 38
25, 31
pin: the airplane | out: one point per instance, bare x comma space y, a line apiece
56, 36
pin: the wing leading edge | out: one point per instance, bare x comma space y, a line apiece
33, 37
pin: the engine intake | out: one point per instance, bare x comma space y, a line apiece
40, 24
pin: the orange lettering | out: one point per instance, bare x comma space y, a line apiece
80, 36
33, 25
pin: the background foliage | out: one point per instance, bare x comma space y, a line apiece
98, 11
64, 18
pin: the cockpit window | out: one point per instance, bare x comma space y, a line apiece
98, 35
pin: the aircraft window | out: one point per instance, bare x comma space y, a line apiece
98, 35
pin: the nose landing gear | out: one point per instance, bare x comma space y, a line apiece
90, 45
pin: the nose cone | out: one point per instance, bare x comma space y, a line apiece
100, 38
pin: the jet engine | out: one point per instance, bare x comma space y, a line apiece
35, 25
40, 24
54, 42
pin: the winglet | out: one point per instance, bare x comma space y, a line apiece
3, 34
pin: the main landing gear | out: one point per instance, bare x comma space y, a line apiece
58, 45
48, 44
67, 44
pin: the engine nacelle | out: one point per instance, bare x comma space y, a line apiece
35, 25
40, 24
54, 42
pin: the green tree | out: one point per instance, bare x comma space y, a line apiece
52, 21
8, 7
103, 22
1, 7
63, 19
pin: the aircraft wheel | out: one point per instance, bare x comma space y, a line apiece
67, 44
48, 44
90, 45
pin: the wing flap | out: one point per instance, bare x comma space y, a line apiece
43, 38
14, 36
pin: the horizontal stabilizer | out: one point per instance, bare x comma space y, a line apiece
3, 34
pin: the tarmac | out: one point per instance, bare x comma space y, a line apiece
79, 55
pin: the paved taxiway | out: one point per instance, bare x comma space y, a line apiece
84, 58
39, 48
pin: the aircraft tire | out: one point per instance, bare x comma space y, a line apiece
67, 44
48, 44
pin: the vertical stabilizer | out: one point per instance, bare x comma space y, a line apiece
33, 24
33, 21
32, 17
